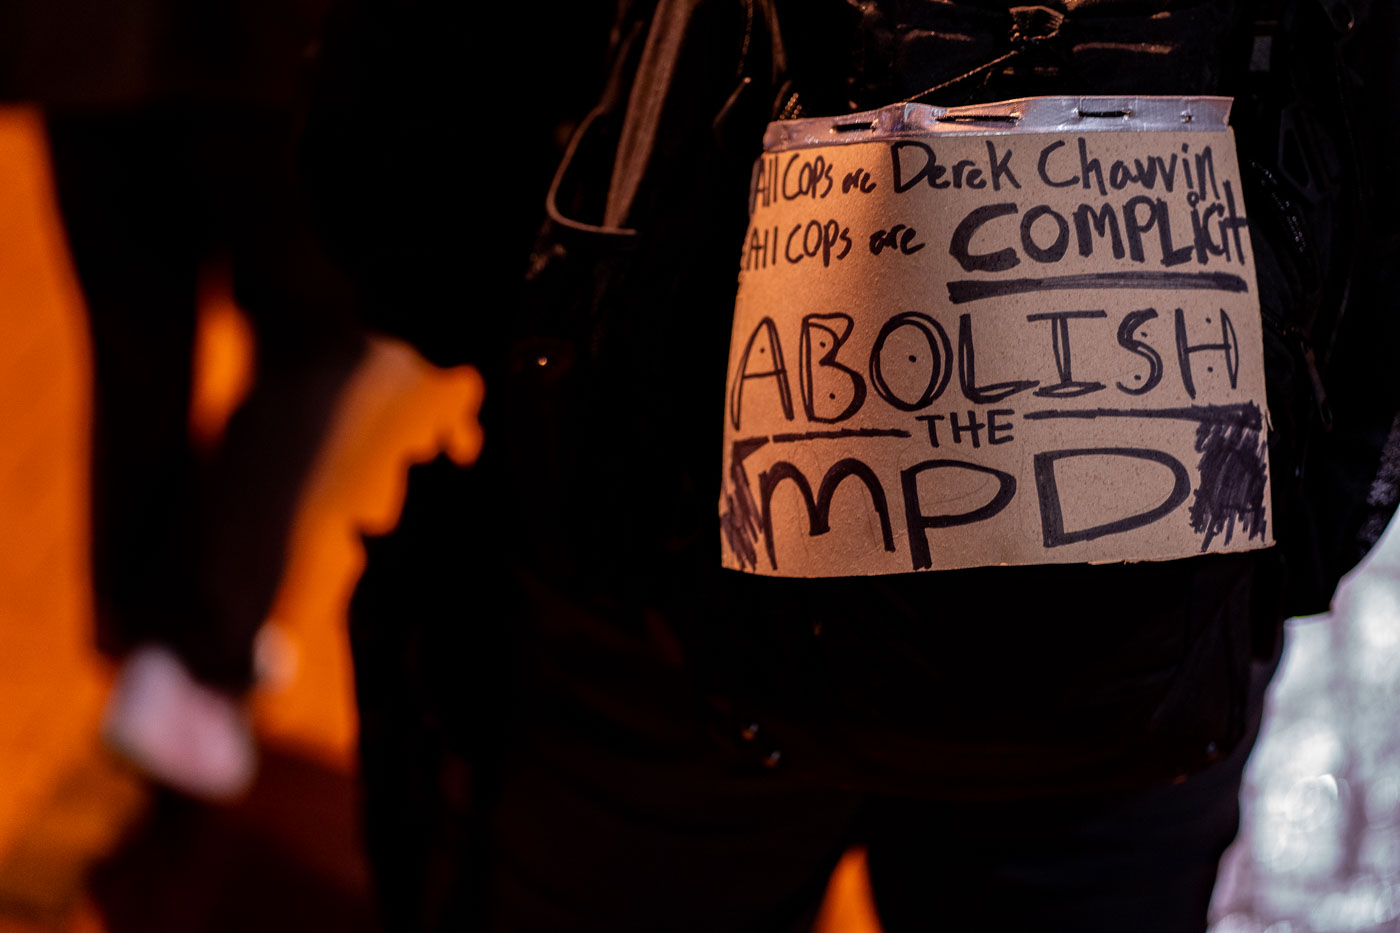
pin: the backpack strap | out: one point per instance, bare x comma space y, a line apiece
680, 68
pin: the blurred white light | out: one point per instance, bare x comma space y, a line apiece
1305, 748
1237, 923
1363, 905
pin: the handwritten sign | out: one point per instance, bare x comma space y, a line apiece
963, 339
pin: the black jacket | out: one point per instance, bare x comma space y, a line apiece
606, 375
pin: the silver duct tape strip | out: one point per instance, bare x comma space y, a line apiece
1023, 115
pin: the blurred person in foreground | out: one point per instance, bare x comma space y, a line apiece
574, 719
172, 128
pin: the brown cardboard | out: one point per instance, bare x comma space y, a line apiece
926, 371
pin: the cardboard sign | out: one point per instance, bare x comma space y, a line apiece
1017, 333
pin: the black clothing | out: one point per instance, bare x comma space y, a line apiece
188, 547
973, 682
989, 691
616, 811
554, 774
173, 131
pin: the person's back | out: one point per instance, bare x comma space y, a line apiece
810, 698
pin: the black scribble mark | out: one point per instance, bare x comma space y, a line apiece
1234, 476
1245, 414
839, 433
739, 521
962, 291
